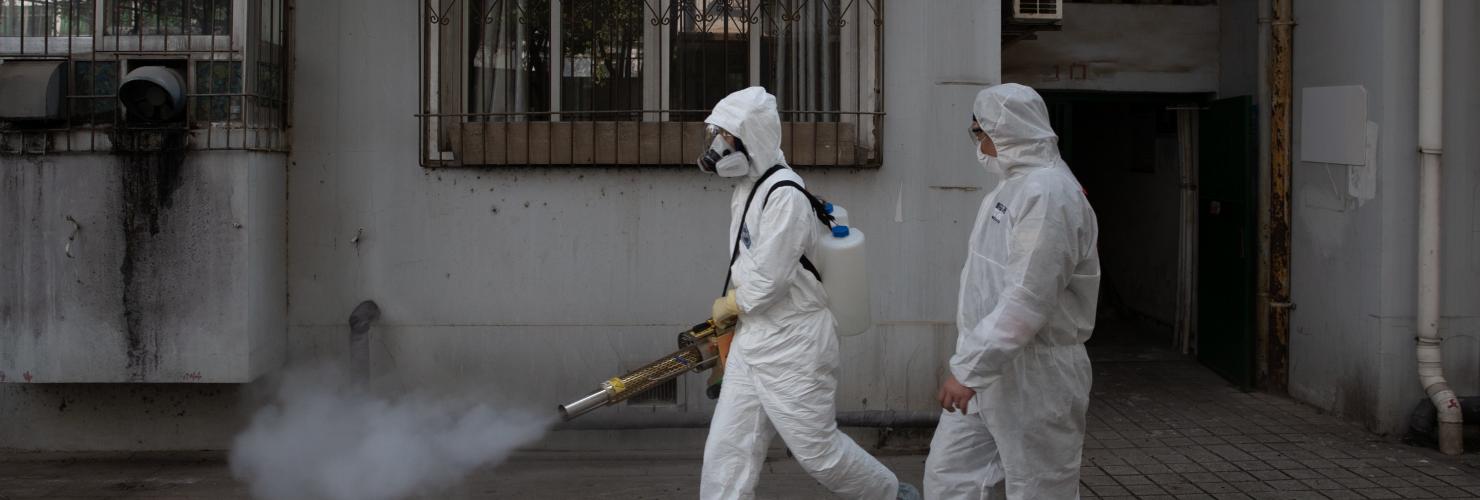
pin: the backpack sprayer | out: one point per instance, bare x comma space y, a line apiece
706, 346
703, 347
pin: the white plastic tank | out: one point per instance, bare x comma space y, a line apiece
843, 264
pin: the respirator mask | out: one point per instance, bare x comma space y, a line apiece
720, 158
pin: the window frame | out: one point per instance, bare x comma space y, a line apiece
257, 94
442, 147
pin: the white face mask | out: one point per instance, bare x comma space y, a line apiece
988, 162
732, 165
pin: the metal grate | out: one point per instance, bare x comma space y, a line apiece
230, 54
1038, 7
665, 393
627, 82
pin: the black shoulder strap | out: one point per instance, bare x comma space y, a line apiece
818, 207
735, 252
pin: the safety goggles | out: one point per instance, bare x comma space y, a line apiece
975, 130
719, 141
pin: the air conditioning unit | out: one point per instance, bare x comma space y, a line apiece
1037, 11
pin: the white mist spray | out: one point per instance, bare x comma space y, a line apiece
324, 438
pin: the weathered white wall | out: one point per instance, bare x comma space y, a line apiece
541, 282
192, 295
1352, 347
1238, 48
548, 280
1116, 47
198, 271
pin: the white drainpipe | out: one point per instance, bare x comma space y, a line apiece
1431, 147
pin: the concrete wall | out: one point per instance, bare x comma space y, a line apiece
173, 276
1238, 48
540, 282
1175, 48
1352, 348
558, 278
176, 276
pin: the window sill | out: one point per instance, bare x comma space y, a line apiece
631, 144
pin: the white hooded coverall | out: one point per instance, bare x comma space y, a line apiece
781, 375
1027, 305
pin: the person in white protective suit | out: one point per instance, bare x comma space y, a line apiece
780, 375
1015, 398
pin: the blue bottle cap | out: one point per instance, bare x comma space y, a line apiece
827, 207
840, 231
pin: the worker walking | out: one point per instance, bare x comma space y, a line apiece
781, 373
1015, 398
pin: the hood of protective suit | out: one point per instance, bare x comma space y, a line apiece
750, 114
1016, 120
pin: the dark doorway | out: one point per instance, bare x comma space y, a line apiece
1171, 178
1127, 152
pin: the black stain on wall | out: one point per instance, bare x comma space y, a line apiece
149, 167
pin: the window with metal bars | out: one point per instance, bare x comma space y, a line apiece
628, 82
230, 55
1038, 6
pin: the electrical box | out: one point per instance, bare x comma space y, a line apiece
1333, 125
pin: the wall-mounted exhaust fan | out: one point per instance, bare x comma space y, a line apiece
153, 94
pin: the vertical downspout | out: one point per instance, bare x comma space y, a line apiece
1261, 301
1431, 147
1278, 339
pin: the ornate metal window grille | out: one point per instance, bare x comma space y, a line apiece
631, 80
232, 55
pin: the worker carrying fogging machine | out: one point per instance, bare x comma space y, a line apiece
840, 260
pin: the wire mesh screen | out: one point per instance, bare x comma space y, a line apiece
662, 394
628, 82
226, 57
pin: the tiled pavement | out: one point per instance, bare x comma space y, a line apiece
1160, 427
1163, 427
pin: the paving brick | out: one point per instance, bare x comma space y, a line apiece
1448, 492
1132, 480
1220, 467
1235, 476
1142, 490
1168, 478
1377, 493
1110, 491
1287, 485
1268, 475
1322, 484
1461, 480
1422, 480
1392, 482
1252, 465
1252, 487
1412, 492
1185, 468
1181, 489
1216, 487
1201, 477
1153, 469
1233, 495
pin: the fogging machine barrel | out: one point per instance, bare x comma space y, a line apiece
693, 354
